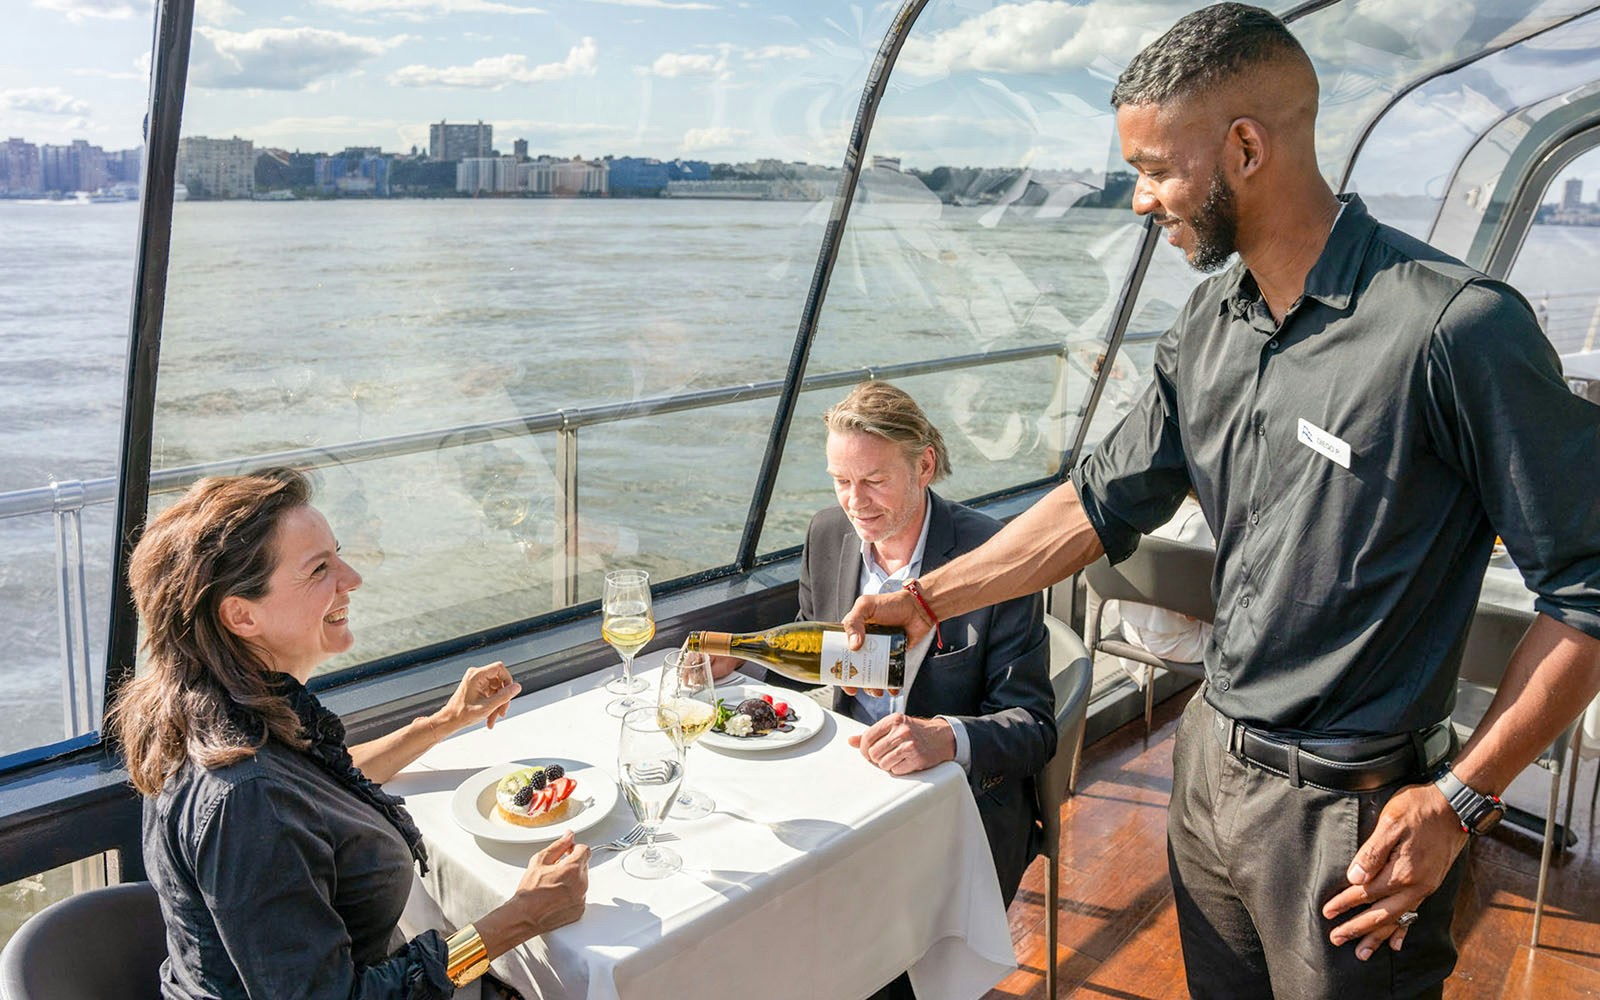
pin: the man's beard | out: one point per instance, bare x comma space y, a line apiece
1215, 225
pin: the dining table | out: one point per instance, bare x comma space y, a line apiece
816, 876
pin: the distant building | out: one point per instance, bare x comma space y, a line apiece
886, 163
635, 176
566, 177
519, 149
77, 167
364, 173
217, 168
126, 165
487, 175
1572, 195
19, 168
460, 142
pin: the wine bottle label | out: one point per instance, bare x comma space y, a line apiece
866, 667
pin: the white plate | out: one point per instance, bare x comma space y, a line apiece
474, 811
807, 721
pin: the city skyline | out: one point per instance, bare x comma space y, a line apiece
722, 80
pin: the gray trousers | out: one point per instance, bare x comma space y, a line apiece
1254, 859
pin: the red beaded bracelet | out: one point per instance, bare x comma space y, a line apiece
915, 590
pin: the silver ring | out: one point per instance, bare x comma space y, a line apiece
1407, 919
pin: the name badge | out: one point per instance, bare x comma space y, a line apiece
1323, 443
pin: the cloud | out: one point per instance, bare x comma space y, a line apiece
1044, 36
215, 11
43, 101
675, 64
417, 10
717, 137
496, 72
659, 4
278, 58
83, 10
770, 52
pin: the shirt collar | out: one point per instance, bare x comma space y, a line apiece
1332, 279
876, 574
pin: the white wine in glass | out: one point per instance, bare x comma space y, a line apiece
626, 623
689, 693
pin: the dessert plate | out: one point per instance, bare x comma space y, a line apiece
807, 720
472, 805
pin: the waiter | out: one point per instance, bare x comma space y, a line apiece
1359, 415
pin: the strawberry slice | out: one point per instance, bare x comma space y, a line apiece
767, 698
562, 788
782, 708
541, 802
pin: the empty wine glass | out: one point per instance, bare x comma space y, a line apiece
688, 689
650, 764
628, 625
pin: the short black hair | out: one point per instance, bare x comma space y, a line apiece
1205, 48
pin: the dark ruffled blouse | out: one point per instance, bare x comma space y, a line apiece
284, 875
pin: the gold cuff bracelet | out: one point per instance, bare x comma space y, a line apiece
468, 959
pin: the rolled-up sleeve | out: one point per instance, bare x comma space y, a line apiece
275, 917
1135, 478
1501, 412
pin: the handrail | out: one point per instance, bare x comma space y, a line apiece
46, 499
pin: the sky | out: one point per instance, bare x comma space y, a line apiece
979, 84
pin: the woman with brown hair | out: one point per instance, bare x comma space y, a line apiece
281, 865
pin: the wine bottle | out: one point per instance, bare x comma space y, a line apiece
815, 653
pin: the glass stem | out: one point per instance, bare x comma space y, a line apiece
627, 671
650, 854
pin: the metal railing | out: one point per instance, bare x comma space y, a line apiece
67, 500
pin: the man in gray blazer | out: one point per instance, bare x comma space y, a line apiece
983, 698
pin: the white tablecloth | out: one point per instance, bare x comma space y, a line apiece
818, 875
1503, 585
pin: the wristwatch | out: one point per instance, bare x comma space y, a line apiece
1478, 812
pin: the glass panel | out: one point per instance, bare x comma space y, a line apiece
25, 897
1417, 163
420, 238
1367, 51
1555, 270
992, 216
73, 84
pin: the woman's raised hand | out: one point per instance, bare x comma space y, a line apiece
483, 694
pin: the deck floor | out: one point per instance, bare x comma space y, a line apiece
1119, 934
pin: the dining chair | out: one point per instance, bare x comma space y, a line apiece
1071, 671
1491, 640
1162, 573
104, 944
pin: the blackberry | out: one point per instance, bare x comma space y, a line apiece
524, 796
555, 772
537, 782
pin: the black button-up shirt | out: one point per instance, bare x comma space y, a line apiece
1355, 463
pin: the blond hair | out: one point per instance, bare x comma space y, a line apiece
880, 409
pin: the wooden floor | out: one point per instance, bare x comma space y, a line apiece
1119, 935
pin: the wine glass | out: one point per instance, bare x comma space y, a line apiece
627, 624
687, 689
650, 764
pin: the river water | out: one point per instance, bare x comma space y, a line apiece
309, 324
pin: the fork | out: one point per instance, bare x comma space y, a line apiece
623, 842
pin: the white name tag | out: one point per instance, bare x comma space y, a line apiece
1323, 443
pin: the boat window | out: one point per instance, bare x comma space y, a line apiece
1440, 153
1367, 54
70, 161
519, 281
986, 244
1555, 270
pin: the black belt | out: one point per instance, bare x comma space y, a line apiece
1339, 765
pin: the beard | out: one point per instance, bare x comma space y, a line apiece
1216, 227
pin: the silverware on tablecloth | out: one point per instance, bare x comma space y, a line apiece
623, 842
